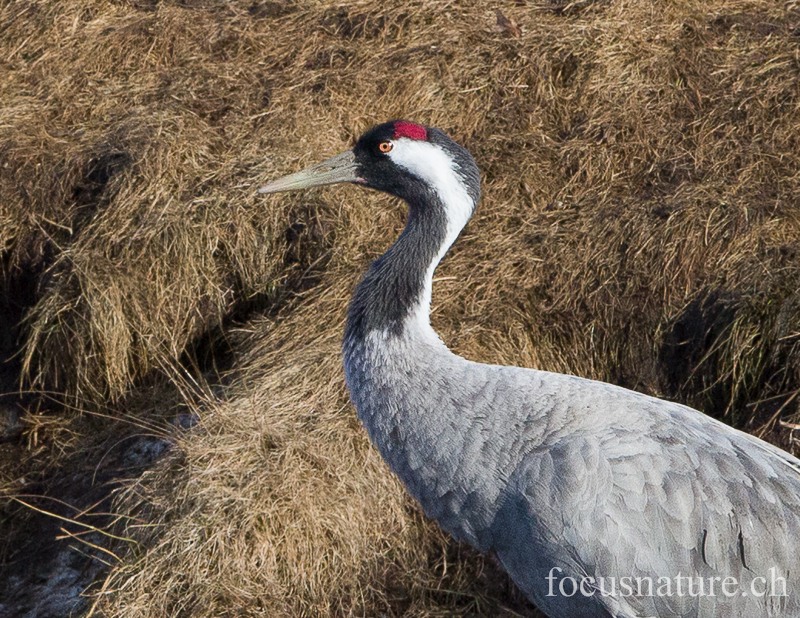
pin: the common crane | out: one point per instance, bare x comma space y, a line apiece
599, 501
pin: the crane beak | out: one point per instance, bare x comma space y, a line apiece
341, 168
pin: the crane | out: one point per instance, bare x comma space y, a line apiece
599, 501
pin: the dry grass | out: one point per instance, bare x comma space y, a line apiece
640, 224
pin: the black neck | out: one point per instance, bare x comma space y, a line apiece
395, 283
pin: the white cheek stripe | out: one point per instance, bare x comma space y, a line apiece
432, 164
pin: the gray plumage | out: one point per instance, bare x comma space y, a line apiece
556, 474
552, 470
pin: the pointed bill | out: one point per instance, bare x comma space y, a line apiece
341, 168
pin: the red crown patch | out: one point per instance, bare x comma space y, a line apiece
410, 130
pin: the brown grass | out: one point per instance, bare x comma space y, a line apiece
639, 224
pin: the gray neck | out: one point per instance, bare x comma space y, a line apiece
408, 388
397, 286
405, 384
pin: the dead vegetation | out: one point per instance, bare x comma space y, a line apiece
640, 224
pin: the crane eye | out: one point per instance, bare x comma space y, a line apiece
385, 146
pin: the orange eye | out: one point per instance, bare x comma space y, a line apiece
385, 146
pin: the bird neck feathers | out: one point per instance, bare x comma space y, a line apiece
395, 294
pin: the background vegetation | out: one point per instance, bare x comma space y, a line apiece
171, 371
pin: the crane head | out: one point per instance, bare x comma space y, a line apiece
402, 158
